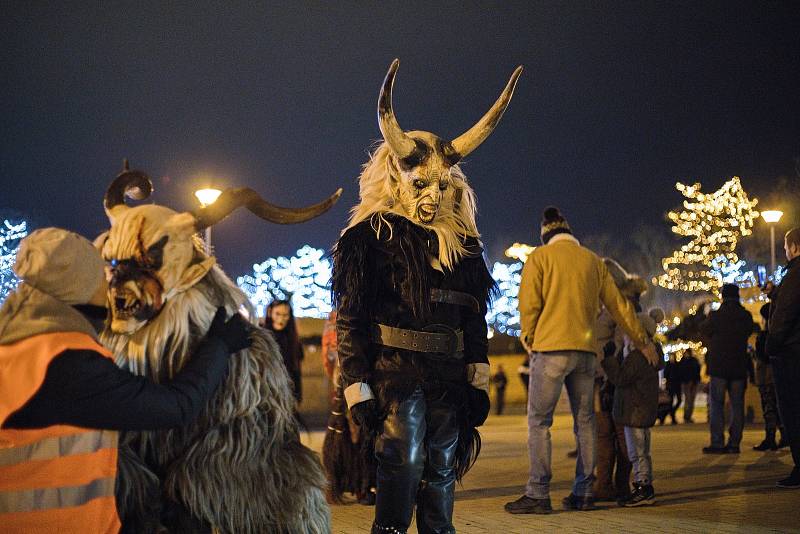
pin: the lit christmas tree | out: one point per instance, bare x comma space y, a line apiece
303, 279
714, 223
11, 232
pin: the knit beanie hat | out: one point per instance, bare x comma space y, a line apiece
730, 291
553, 223
60, 263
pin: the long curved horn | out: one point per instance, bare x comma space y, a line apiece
231, 199
472, 138
131, 183
403, 146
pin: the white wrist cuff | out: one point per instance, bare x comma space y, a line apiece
478, 375
357, 392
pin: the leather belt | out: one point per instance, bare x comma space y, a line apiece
458, 298
436, 338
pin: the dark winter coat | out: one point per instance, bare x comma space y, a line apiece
636, 389
727, 331
388, 280
689, 370
783, 340
672, 374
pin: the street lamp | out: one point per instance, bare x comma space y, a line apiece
207, 197
772, 217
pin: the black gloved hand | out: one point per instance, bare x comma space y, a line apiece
365, 414
609, 349
235, 332
478, 406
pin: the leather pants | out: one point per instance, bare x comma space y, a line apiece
416, 464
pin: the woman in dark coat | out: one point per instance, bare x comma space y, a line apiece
280, 320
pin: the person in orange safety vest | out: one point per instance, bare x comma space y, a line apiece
63, 399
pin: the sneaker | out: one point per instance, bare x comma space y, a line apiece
792, 481
641, 496
732, 449
715, 450
766, 445
527, 505
583, 504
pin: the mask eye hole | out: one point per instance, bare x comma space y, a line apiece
443, 185
420, 183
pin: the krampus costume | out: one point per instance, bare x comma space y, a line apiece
240, 468
412, 289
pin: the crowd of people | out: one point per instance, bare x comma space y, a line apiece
612, 376
406, 350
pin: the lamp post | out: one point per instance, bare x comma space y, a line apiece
206, 197
772, 217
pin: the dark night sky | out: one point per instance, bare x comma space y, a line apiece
617, 103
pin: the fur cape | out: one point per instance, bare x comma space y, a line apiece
372, 264
240, 467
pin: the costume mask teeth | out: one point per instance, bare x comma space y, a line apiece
427, 212
134, 301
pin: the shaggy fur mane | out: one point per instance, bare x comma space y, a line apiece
451, 227
240, 466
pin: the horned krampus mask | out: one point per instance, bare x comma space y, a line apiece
152, 252
420, 163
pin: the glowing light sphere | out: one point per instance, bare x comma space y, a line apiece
771, 216
207, 196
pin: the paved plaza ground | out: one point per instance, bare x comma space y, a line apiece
696, 493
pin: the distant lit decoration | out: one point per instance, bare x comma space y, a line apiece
519, 251
303, 279
11, 233
714, 223
680, 348
503, 316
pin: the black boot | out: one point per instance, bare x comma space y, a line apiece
437, 491
768, 444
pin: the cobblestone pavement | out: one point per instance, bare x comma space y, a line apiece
696, 493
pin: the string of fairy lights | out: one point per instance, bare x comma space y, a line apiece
714, 224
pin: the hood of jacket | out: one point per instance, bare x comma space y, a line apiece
29, 312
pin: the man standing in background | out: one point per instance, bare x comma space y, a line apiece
783, 347
726, 331
560, 293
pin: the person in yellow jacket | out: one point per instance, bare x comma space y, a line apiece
562, 287
62, 398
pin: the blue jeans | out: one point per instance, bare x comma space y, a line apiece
638, 442
716, 410
550, 371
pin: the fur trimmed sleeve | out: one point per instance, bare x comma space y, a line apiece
354, 290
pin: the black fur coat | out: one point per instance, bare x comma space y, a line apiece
388, 279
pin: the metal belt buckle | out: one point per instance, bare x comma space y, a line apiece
452, 336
